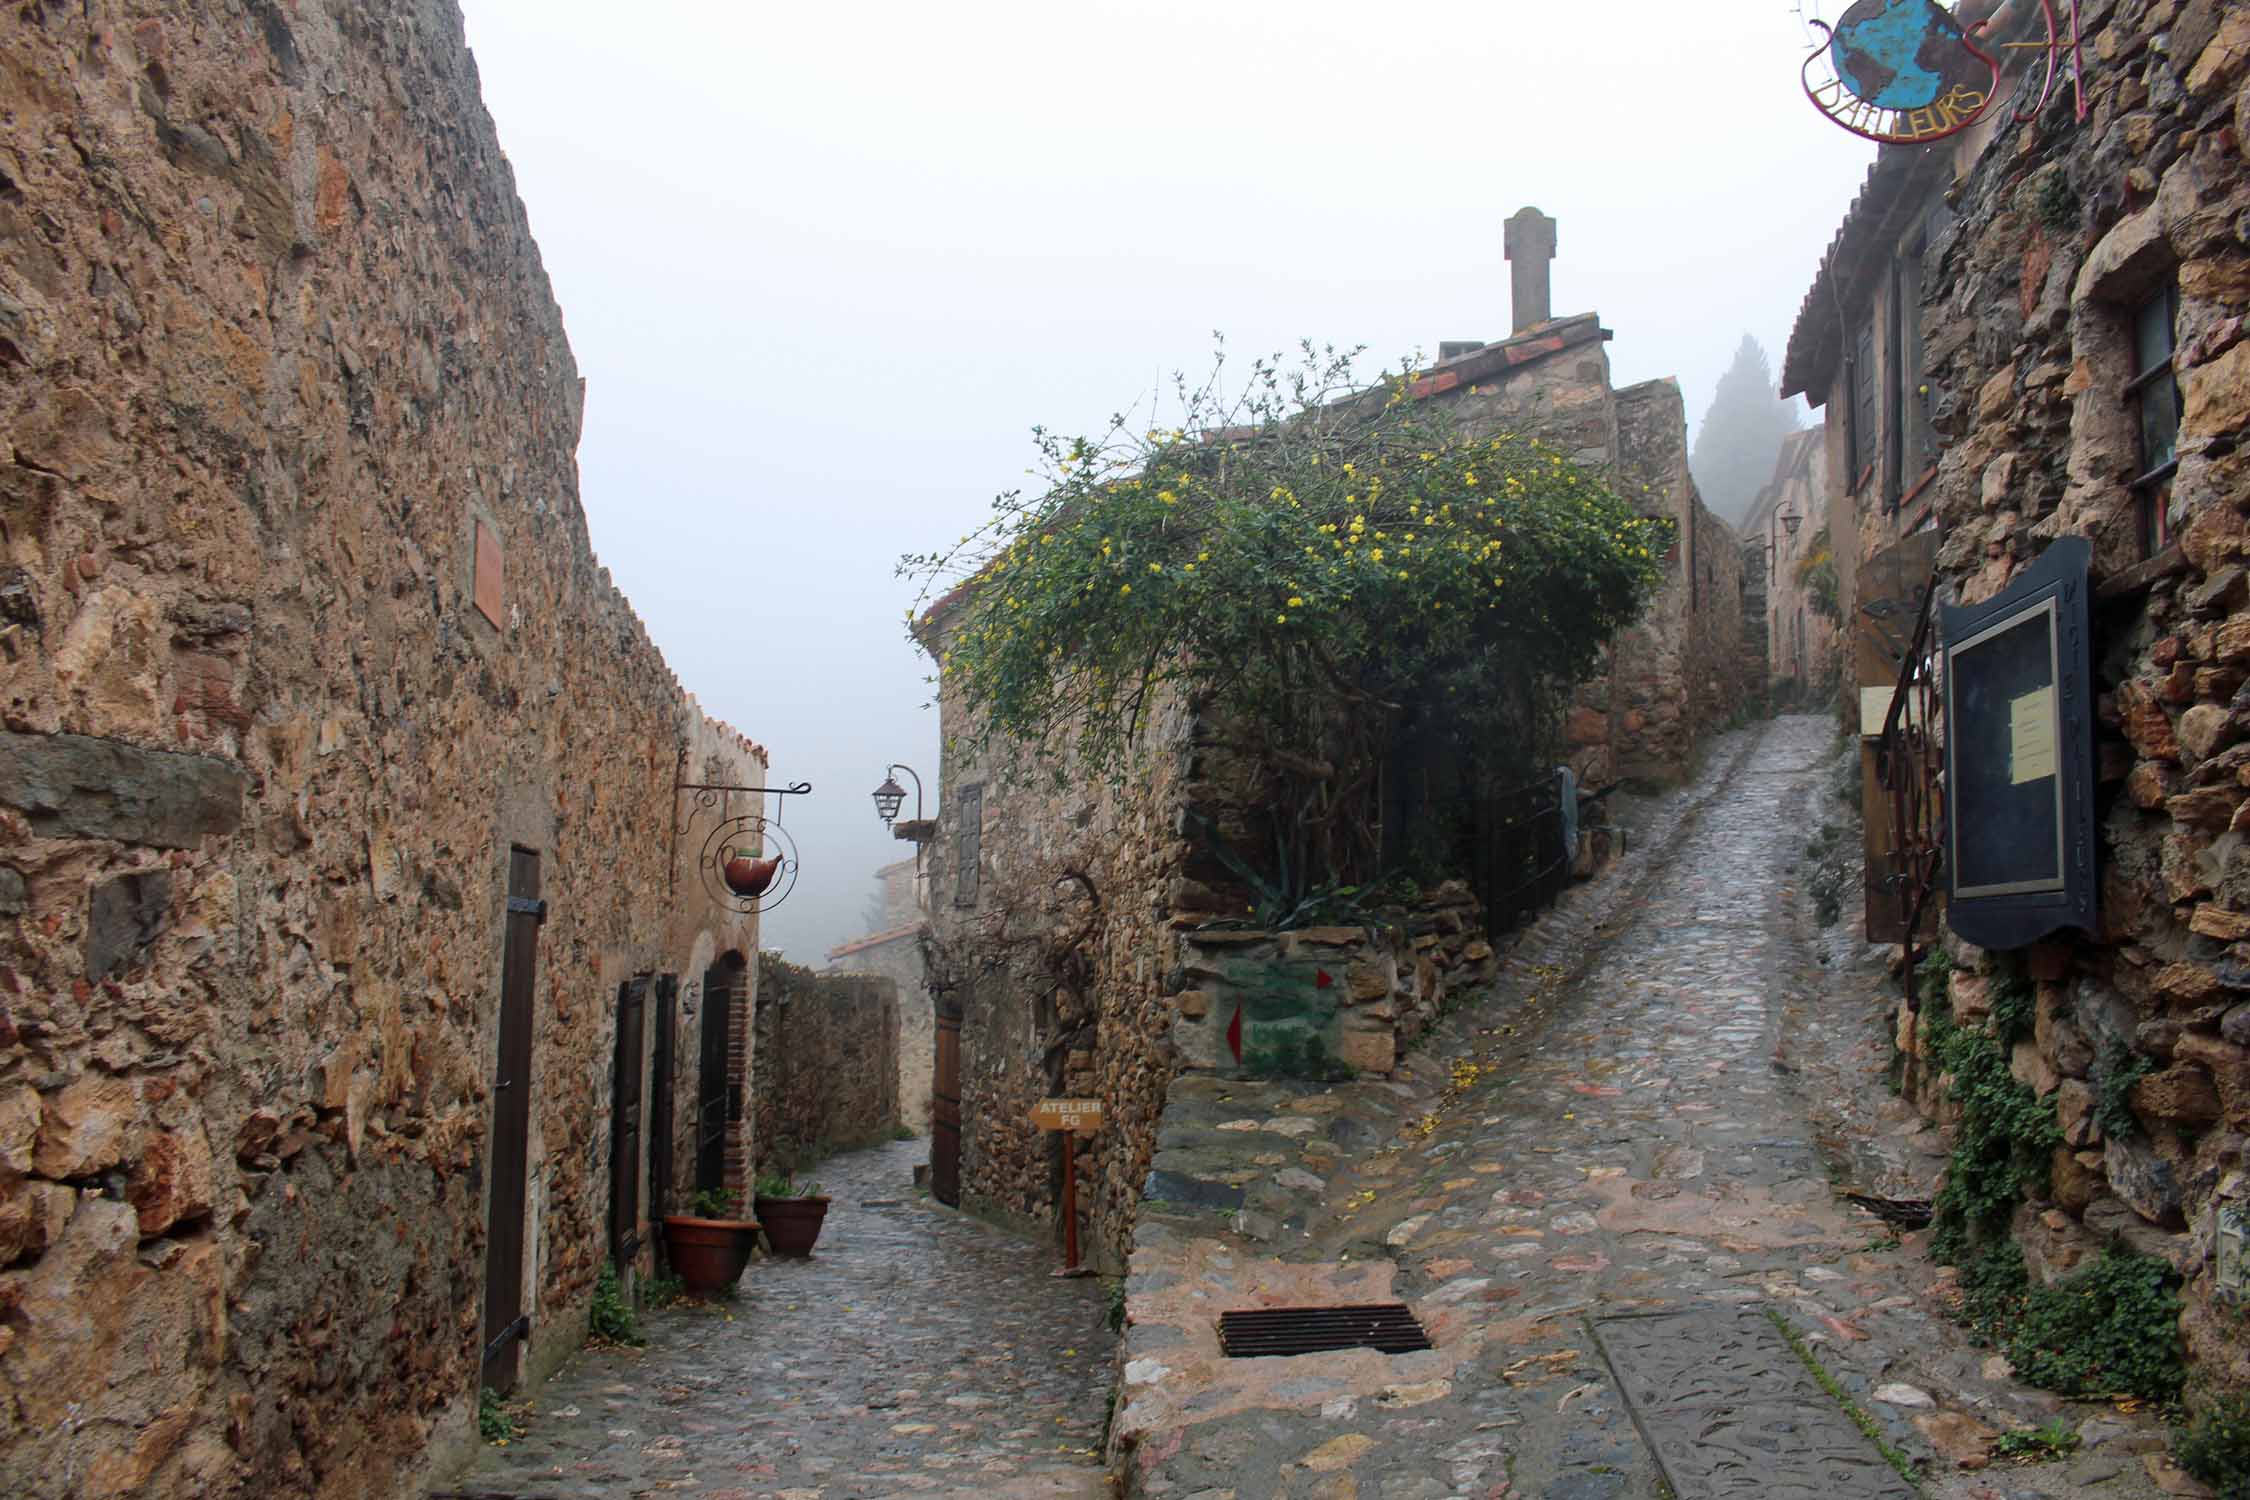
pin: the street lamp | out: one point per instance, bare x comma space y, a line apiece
1790, 521
890, 796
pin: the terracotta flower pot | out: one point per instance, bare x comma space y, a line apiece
708, 1254
792, 1224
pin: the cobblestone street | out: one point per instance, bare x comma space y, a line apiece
1625, 1128
916, 1353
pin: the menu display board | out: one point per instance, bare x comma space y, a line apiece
2019, 756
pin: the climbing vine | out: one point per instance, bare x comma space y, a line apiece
1328, 563
2007, 1136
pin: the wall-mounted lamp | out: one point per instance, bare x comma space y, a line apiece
890, 796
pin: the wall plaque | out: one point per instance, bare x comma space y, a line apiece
2019, 756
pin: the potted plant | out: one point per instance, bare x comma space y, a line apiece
709, 1248
791, 1212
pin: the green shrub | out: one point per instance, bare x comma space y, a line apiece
2006, 1141
609, 1318
717, 1203
2015, 1008
1117, 1305
2111, 1329
783, 1184
2215, 1447
495, 1424
2031, 1444
2121, 1068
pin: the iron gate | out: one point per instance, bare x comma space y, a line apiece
1517, 863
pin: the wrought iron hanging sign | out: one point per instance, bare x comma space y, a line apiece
747, 861
1906, 72
1901, 72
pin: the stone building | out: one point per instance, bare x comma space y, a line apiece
2032, 331
892, 948
1784, 527
338, 821
1064, 951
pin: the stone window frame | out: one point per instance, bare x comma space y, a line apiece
2129, 268
2155, 378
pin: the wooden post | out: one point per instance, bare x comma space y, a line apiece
1070, 1202
1072, 1117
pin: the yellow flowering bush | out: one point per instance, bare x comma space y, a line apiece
1299, 551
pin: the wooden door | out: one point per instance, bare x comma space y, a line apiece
505, 1322
945, 1109
625, 1123
663, 1072
711, 1079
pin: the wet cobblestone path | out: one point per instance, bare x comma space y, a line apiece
917, 1353
1608, 1172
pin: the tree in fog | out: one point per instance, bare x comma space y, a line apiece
1740, 440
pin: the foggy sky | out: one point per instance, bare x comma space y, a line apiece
823, 266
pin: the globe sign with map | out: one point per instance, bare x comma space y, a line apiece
1902, 70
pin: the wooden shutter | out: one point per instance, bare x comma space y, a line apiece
625, 1123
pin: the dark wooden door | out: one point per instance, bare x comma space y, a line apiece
625, 1145
945, 1110
711, 1079
662, 1073
504, 1321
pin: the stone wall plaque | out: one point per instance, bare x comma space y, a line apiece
2019, 756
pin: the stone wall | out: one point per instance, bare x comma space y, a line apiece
2057, 232
284, 366
1679, 670
1321, 1002
894, 950
824, 1064
1056, 945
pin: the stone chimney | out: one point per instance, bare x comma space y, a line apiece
1529, 240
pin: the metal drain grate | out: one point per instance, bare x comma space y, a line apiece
1385, 1326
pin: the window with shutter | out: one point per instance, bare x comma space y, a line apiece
968, 845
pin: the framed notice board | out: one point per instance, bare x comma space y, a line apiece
2019, 756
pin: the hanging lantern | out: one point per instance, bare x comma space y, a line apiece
888, 798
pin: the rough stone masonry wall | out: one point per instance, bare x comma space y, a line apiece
276, 340
825, 1075
899, 960
1679, 670
1061, 982
2063, 228
1678, 673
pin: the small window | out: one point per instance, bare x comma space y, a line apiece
2154, 394
968, 845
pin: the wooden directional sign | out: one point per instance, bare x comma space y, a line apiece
1078, 1116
